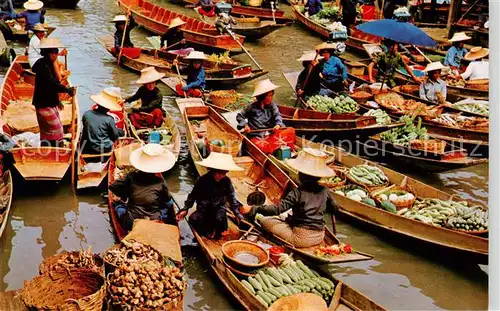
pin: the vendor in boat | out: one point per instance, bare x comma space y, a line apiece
433, 88
456, 52
173, 40
120, 22
150, 113
313, 7
33, 15
333, 73
46, 93
195, 83
262, 121
212, 193
312, 86
99, 129
387, 63
145, 190
478, 68
309, 202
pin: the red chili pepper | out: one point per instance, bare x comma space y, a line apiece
348, 249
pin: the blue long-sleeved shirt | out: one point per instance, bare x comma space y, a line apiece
334, 71
429, 88
32, 18
314, 6
259, 118
454, 56
195, 79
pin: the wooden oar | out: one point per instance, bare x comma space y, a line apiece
170, 46
264, 130
242, 47
123, 37
73, 136
422, 53
179, 74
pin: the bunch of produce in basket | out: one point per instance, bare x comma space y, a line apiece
72, 260
339, 104
328, 12
356, 193
292, 277
367, 175
455, 82
131, 252
465, 122
405, 134
333, 250
449, 214
381, 116
396, 197
223, 58
241, 103
474, 107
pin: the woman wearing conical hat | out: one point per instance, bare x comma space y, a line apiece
196, 77
145, 190
312, 86
99, 129
433, 88
150, 113
264, 114
457, 51
33, 15
120, 21
308, 203
173, 40
211, 193
478, 68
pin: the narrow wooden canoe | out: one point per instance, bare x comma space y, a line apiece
350, 298
156, 19
217, 75
64, 4
258, 30
36, 163
6, 191
474, 246
18, 30
258, 170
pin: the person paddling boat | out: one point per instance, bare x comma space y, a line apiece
196, 77
173, 40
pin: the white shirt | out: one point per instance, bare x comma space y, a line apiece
477, 70
34, 50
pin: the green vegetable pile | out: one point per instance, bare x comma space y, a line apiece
328, 12
367, 175
272, 283
240, 103
381, 116
405, 134
339, 104
334, 179
478, 108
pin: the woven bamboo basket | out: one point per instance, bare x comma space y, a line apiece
400, 204
478, 232
335, 185
370, 188
232, 143
431, 145
223, 98
361, 97
66, 290
51, 263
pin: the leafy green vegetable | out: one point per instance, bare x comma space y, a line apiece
406, 133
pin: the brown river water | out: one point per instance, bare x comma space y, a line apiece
47, 219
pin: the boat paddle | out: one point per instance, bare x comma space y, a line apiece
123, 37
179, 75
242, 47
264, 130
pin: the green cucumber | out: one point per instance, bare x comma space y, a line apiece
273, 272
282, 291
262, 301
305, 268
328, 281
264, 297
270, 296
323, 284
275, 292
291, 274
261, 281
255, 283
293, 289
287, 291
265, 278
248, 286
285, 276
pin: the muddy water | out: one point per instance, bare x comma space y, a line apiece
47, 219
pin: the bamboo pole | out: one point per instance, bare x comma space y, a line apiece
450, 15
123, 37
242, 47
73, 137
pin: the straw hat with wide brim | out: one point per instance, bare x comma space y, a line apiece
220, 161
311, 162
326, 46
477, 52
51, 43
152, 158
196, 55
434, 66
108, 98
263, 86
119, 19
33, 5
176, 22
459, 36
299, 302
309, 56
149, 75
39, 28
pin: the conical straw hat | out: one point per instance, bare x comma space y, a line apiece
152, 158
311, 162
299, 302
477, 52
39, 27
196, 55
119, 19
459, 36
434, 66
326, 46
309, 56
149, 75
108, 98
33, 5
263, 86
50, 43
176, 22
220, 161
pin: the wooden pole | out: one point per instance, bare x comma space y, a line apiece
179, 75
450, 15
123, 37
467, 12
73, 138
382, 9
242, 47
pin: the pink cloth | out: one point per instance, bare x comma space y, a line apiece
50, 124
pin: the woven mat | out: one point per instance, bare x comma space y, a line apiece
162, 237
21, 117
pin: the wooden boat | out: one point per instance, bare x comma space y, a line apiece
36, 163
156, 19
452, 158
253, 31
345, 297
169, 131
63, 4
249, 11
258, 171
15, 29
6, 191
217, 75
452, 240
